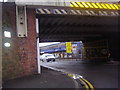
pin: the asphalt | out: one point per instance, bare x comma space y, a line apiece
100, 74
47, 79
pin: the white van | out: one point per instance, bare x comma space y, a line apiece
47, 57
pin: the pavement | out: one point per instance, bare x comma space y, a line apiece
47, 79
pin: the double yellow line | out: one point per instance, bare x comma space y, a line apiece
86, 83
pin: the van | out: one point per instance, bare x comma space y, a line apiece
47, 58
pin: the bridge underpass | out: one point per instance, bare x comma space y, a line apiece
96, 32
23, 60
74, 28
64, 28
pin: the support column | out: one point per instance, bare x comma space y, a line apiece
38, 49
20, 59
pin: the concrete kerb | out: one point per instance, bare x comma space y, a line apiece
55, 69
74, 77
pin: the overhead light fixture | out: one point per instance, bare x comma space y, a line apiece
7, 34
7, 44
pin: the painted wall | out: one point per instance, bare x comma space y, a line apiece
61, 50
20, 59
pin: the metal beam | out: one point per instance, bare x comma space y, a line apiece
76, 11
21, 21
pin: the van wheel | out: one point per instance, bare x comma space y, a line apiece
53, 60
41, 60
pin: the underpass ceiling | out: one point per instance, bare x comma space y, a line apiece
75, 28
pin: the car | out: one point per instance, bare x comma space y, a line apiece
47, 57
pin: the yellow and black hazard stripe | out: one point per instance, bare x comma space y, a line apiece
92, 5
72, 11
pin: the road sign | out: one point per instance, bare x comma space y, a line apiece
68, 47
68, 44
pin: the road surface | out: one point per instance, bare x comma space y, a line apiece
101, 75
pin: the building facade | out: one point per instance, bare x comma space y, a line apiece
59, 50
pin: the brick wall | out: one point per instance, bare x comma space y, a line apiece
20, 59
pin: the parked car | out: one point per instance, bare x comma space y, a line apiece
47, 57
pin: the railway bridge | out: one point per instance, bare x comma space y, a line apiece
25, 24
